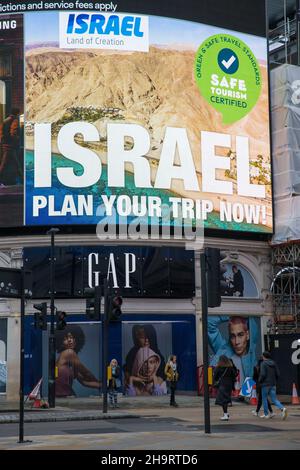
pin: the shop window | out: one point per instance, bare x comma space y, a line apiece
5, 64
2, 100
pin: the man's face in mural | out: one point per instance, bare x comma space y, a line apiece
69, 341
239, 337
142, 339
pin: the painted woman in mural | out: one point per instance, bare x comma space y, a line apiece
241, 345
144, 379
143, 335
69, 343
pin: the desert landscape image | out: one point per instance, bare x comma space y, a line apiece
155, 89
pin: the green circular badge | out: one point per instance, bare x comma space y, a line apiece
228, 76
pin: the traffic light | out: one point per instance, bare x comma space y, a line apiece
93, 304
216, 283
61, 320
115, 310
40, 317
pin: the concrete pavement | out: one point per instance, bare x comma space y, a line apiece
78, 409
243, 431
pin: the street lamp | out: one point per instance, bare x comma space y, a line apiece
52, 348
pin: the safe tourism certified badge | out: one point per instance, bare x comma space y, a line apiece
228, 76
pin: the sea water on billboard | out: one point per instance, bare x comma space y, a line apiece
117, 155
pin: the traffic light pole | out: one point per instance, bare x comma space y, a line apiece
105, 344
205, 343
52, 345
21, 406
22, 362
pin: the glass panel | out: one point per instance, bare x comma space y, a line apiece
2, 100
5, 65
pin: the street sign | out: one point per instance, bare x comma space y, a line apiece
247, 387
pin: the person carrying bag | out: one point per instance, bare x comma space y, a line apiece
172, 377
224, 378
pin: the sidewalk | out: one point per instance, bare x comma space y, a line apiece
165, 428
82, 409
79, 409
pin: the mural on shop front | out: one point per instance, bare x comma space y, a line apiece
239, 282
78, 360
3, 354
145, 349
237, 337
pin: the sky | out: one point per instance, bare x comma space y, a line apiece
44, 27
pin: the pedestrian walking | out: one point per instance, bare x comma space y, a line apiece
114, 383
224, 378
172, 377
269, 375
256, 374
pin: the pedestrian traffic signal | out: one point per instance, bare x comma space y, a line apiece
61, 320
115, 310
40, 317
216, 282
93, 304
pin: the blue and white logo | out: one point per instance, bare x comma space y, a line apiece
228, 61
103, 31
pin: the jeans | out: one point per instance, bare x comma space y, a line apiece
271, 392
259, 401
172, 391
113, 396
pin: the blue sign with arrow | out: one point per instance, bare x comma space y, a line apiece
246, 390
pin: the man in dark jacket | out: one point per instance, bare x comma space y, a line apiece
269, 375
238, 282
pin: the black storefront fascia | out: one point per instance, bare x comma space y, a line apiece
140, 272
162, 272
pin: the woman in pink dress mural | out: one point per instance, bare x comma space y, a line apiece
69, 342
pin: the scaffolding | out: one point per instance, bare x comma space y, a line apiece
285, 288
283, 39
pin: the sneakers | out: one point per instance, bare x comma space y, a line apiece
265, 416
284, 413
254, 413
272, 415
225, 417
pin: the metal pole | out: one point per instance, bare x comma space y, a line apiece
22, 323
297, 5
285, 31
52, 346
105, 344
205, 343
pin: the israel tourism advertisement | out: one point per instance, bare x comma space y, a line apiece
127, 113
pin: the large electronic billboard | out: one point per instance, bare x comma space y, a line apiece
133, 110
